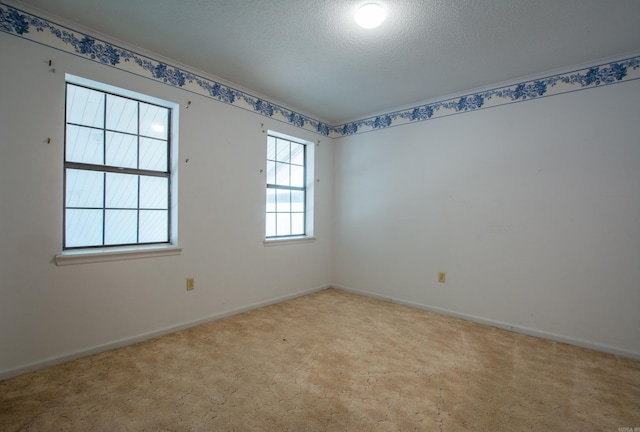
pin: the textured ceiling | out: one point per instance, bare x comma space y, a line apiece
310, 54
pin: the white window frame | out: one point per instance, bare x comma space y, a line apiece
112, 253
309, 194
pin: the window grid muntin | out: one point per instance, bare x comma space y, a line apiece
119, 170
275, 186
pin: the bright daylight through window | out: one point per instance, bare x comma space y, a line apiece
117, 170
286, 187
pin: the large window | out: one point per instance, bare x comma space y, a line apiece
117, 169
286, 187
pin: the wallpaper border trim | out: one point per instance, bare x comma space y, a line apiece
31, 27
28, 26
580, 79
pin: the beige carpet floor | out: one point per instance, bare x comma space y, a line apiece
331, 361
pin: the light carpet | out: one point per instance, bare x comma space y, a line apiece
331, 361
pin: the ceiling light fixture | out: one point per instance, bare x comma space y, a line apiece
370, 15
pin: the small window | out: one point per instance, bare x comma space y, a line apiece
288, 196
117, 169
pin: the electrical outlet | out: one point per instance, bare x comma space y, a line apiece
191, 284
442, 277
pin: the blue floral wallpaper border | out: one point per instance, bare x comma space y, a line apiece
604, 74
28, 26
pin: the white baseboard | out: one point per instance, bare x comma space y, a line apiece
52, 361
499, 324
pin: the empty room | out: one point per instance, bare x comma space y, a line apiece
303, 215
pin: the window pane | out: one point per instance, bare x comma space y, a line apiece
297, 201
122, 114
122, 150
297, 153
83, 228
154, 121
283, 150
297, 223
121, 191
282, 174
84, 145
271, 225
120, 227
122, 205
283, 224
297, 176
154, 192
271, 172
285, 168
85, 106
153, 154
84, 188
283, 200
271, 148
271, 200
154, 226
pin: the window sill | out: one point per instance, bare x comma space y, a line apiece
115, 254
288, 240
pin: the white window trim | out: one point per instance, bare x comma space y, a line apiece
310, 195
120, 253
288, 240
85, 256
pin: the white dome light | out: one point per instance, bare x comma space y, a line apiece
370, 15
